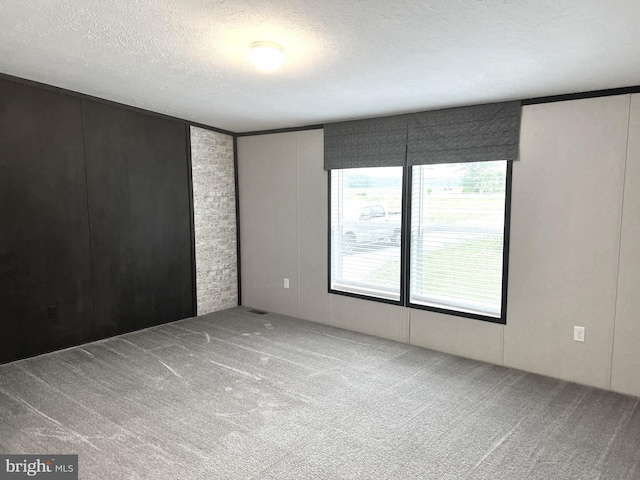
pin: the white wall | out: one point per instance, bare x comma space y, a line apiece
625, 374
268, 197
565, 235
574, 256
313, 298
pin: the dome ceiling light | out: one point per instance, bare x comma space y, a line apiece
267, 56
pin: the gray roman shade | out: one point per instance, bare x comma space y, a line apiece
477, 133
465, 134
376, 142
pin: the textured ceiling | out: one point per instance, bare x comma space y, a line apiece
345, 59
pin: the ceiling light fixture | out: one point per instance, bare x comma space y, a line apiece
266, 55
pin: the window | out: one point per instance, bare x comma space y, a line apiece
420, 208
456, 248
457, 236
366, 206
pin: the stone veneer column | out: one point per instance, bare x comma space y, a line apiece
214, 205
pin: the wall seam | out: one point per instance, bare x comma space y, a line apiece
502, 346
330, 310
86, 188
624, 183
236, 187
298, 225
194, 263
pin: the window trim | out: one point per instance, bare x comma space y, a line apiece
405, 255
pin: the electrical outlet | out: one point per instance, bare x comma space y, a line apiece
286, 283
578, 334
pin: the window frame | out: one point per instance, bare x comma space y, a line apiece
405, 254
502, 319
401, 299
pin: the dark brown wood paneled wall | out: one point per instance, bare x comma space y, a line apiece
46, 298
95, 224
138, 182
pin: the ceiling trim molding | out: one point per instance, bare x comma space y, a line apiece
281, 130
578, 96
528, 101
72, 93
